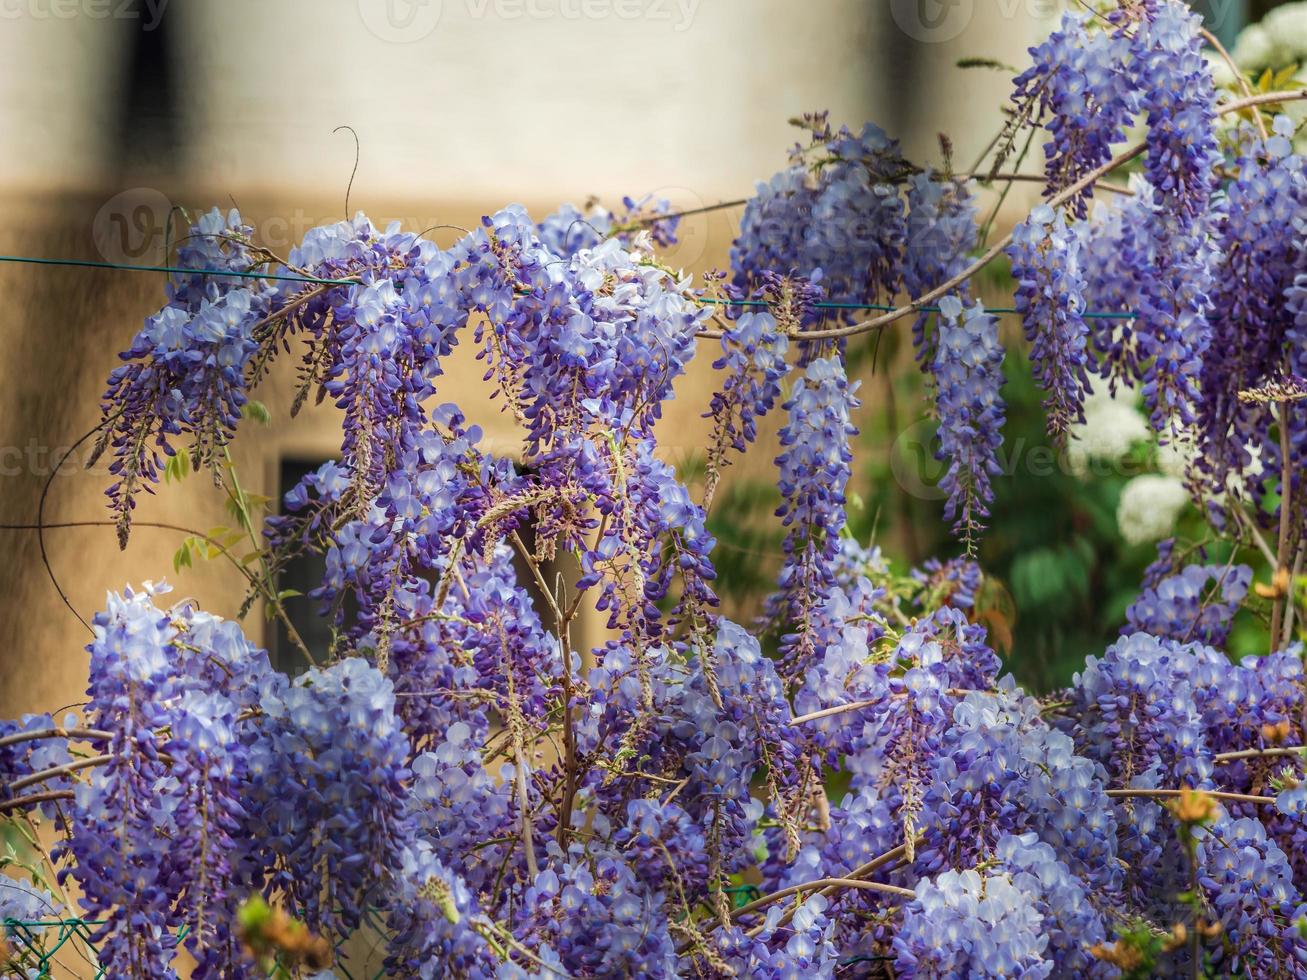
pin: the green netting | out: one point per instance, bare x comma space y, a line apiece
34, 951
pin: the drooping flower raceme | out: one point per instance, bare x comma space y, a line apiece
814, 469
1078, 84
1045, 257
968, 373
495, 792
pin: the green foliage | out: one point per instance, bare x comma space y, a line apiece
257, 411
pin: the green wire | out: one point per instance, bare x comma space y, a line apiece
232, 274
1089, 314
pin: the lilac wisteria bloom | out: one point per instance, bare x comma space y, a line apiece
968, 376
545, 740
1077, 83
1045, 257
814, 470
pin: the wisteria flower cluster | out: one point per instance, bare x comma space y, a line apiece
844, 785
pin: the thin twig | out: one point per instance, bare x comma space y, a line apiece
181, 529
33, 799
1279, 750
822, 883
55, 772
85, 734
1170, 793
40, 516
840, 709
1292, 606
1282, 540
1215, 42
1257, 538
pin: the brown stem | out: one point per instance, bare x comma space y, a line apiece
1283, 750
33, 799
1291, 606
1215, 42
889, 857
822, 883
56, 771
1282, 541
86, 734
1145, 794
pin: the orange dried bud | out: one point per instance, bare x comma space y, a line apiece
1193, 807
1277, 733
1124, 956
1179, 936
269, 933
1279, 587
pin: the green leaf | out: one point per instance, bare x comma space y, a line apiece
257, 411
1285, 76
992, 63
178, 466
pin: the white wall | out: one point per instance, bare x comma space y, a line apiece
502, 99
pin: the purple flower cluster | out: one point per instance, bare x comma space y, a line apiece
814, 470
941, 231
1178, 101
836, 215
1088, 82
753, 359
1251, 322
968, 375
495, 799
328, 774
1078, 88
973, 924
154, 832
1045, 255
1198, 603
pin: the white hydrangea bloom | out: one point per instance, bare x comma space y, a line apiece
1286, 28
1254, 47
1149, 506
1113, 425
1173, 457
